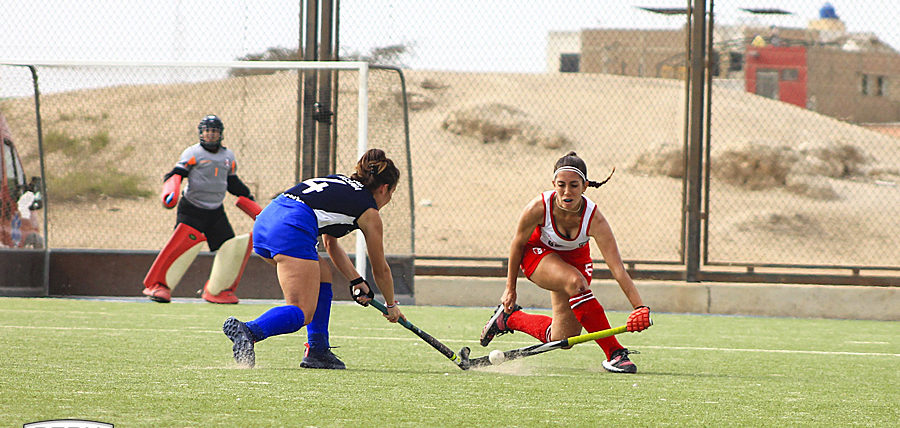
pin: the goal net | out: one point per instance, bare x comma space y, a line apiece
110, 130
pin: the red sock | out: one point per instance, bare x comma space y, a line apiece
590, 314
535, 325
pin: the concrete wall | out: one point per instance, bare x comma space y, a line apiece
780, 300
119, 273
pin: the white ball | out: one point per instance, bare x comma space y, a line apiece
496, 357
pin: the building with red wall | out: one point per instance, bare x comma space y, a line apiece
777, 72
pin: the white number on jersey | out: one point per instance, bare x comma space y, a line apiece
319, 184
314, 186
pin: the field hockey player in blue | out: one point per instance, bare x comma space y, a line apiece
285, 235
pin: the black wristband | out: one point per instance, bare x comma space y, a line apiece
356, 293
641, 306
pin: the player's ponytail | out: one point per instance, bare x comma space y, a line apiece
600, 183
375, 169
572, 162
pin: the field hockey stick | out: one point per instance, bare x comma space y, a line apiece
461, 360
540, 348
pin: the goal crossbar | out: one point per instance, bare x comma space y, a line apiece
363, 108
295, 65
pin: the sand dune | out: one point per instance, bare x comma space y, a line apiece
469, 188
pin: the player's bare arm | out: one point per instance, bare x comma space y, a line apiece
606, 241
342, 262
372, 227
530, 218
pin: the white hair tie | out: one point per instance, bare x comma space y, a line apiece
569, 168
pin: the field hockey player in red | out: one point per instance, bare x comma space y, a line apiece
551, 246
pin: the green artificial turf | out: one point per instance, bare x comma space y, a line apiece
137, 363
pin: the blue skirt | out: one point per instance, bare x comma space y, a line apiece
288, 227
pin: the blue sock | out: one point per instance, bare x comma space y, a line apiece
275, 321
317, 330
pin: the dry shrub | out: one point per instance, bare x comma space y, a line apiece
415, 101
796, 224
758, 166
433, 84
754, 166
499, 123
801, 171
811, 186
833, 159
884, 174
666, 159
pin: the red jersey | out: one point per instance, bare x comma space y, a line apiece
546, 239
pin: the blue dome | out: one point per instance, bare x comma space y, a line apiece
827, 12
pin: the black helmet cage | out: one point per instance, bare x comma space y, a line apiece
211, 122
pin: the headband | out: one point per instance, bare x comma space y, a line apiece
569, 168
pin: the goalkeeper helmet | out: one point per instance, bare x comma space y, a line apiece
211, 122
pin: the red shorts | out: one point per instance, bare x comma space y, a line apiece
580, 259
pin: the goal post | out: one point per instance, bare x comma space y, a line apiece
161, 101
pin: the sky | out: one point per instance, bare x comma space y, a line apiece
461, 35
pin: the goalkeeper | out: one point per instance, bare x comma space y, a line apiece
210, 169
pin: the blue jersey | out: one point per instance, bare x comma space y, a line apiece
337, 201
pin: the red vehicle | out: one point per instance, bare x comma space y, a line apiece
19, 226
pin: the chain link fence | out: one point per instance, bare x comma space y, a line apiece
801, 173
506, 89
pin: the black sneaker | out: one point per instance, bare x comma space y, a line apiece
243, 342
619, 363
496, 326
321, 359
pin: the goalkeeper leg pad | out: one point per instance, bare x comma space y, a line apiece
228, 266
173, 260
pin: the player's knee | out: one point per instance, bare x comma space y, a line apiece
308, 307
575, 285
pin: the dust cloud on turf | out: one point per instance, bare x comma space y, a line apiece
513, 367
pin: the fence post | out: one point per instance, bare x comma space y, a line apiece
695, 135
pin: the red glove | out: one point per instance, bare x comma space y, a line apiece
171, 188
248, 206
639, 319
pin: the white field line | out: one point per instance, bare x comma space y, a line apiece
463, 341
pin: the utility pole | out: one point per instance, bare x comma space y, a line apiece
318, 35
307, 90
323, 110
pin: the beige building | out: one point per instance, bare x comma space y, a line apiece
861, 86
849, 76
